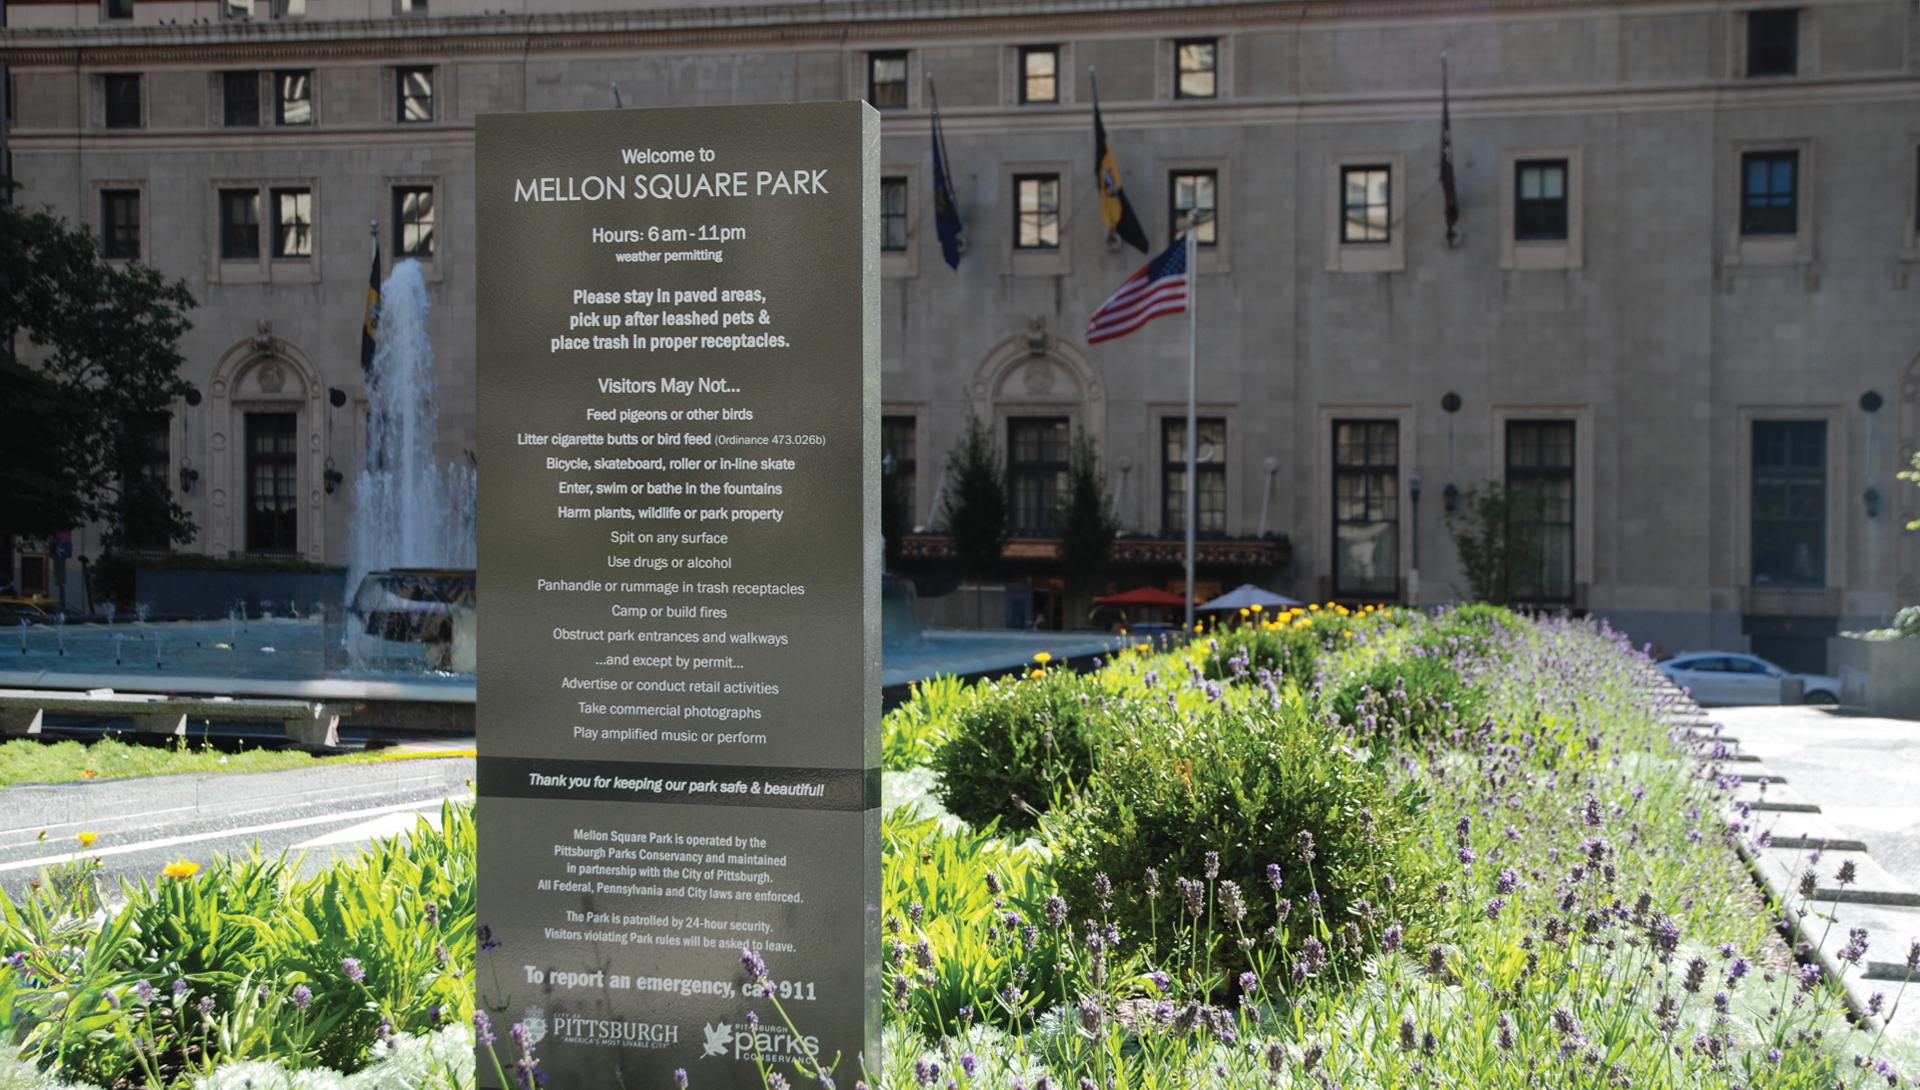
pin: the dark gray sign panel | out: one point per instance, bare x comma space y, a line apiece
680, 643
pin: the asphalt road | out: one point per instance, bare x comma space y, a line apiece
1863, 772
145, 824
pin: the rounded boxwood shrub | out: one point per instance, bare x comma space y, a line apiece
1018, 744
1260, 786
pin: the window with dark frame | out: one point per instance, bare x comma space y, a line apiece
1770, 193
119, 9
1540, 478
1366, 508
154, 466
120, 224
1196, 68
1040, 73
1210, 468
240, 97
292, 222
410, 7
1037, 452
1789, 503
893, 214
240, 225
413, 221
1037, 201
1773, 42
898, 436
1365, 202
1540, 199
273, 505
1191, 191
123, 100
293, 98
415, 88
887, 80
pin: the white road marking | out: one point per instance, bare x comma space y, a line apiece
225, 834
388, 826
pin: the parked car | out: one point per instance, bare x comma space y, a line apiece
26, 610
1729, 677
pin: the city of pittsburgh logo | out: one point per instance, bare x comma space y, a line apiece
535, 1021
718, 1039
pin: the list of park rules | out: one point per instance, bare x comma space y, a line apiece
679, 645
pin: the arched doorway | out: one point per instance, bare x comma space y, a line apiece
1906, 507
264, 451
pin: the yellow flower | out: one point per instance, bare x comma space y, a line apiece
1037, 673
180, 869
87, 839
1043, 658
1255, 607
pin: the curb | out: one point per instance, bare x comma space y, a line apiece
62, 810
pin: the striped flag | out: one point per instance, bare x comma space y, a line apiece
1160, 288
370, 319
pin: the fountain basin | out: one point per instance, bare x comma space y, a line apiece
432, 607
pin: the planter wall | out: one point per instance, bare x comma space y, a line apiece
1881, 677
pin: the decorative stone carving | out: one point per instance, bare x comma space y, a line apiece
263, 341
1038, 378
1037, 335
273, 378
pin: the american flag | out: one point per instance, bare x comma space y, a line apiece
1160, 288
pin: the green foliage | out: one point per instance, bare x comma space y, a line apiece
246, 961
1914, 476
1087, 525
912, 732
976, 500
1251, 781
1409, 698
105, 361
1496, 532
1906, 626
1018, 745
935, 891
25, 760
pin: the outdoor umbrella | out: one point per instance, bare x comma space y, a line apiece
1142, 596
1247, 595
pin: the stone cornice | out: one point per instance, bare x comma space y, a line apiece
835, 24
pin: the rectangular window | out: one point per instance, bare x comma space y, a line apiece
241, 96
33, 576
153, 464
1790, 503
123, 100
292, 222
409, 7
289, 9
1195, 68
893, 213
413, 221
120, 224
1040, 73
1364, 193
1540, 480
1366, 508
1210, 468
1191, 192
293, 98
240, 224
1540, 207
273, 503
887, 80
1037, 449
1769, 193
897, 447
1037, 197
237, 9
416, 94
1773, 42
119, 9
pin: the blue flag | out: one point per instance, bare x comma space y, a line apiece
946, 213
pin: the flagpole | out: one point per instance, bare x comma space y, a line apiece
1193, 408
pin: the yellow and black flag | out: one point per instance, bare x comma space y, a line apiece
1115, 210
370, 320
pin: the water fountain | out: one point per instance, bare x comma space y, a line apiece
411, 538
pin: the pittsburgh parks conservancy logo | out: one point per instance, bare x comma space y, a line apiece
598, 1031
743, 1043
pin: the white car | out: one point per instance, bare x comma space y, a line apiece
1729, 677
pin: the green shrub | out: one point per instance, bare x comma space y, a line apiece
1017, 745
1479, 628
935, 890
1284, 649
1417, 697
912, 732
1244, 780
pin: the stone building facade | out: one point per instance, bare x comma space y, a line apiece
1678, 308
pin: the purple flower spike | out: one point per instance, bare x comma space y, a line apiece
303, 998
680, 1078
755, 965
351, 967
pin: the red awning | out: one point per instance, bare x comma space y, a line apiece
1142, 596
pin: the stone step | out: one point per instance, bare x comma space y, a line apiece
1819, 844
1756, 775
1895, 971
1786, 807
1885, 898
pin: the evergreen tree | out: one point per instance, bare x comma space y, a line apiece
1087, 525
105, 361
976, 501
